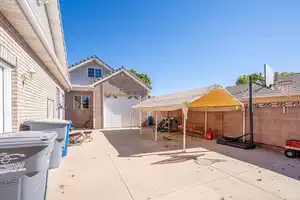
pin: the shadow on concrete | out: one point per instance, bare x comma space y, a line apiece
265, 158
178, 159
129, 143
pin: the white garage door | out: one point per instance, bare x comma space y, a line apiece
118, 112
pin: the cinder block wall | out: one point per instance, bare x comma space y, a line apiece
271, 125
196, 119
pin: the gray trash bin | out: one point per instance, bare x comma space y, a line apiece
57, 125
24, 164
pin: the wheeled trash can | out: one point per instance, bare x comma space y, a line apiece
57, 125
24, 164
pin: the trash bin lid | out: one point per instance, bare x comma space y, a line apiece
27, 137
48, 121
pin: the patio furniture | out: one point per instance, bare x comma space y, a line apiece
78, 136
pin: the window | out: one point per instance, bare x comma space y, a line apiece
94, 72
81, 102
97, 73
91, 72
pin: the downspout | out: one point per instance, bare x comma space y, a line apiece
244, 123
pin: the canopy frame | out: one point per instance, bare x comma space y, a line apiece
184, 106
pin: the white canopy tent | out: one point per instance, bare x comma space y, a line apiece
211, 98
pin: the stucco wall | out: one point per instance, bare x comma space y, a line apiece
78, 117
98, 111
29, 100
80, 75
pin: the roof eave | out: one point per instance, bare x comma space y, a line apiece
118, 72
95, 59
37, 40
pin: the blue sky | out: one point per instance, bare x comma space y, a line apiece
185, 44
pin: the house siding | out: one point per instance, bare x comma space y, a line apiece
29, 101
78, 117
80, 75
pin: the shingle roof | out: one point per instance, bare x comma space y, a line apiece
241, 91
114, 71
90, 58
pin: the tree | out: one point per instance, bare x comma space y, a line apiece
244, 79
285, 73
144, 77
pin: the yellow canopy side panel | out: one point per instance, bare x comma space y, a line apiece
216, 97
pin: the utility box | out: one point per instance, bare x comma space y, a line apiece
24, 164
57, 125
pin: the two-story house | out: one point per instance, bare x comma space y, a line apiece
102, 97
33, 69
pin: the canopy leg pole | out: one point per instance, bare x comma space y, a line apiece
155, 138
244, 124
140, 122
130, 119
205, 121
185, 110
184, 131
168, 123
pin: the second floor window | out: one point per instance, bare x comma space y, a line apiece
94, 72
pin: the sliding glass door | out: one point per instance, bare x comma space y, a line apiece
1, 101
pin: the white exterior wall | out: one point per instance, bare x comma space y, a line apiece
80, 75
29, 101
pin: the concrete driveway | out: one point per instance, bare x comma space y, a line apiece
125, 165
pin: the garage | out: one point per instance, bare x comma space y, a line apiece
106, 103
118, 112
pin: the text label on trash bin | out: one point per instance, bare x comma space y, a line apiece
6, 166
14, 159
8, 181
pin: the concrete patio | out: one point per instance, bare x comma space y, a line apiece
122, 164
